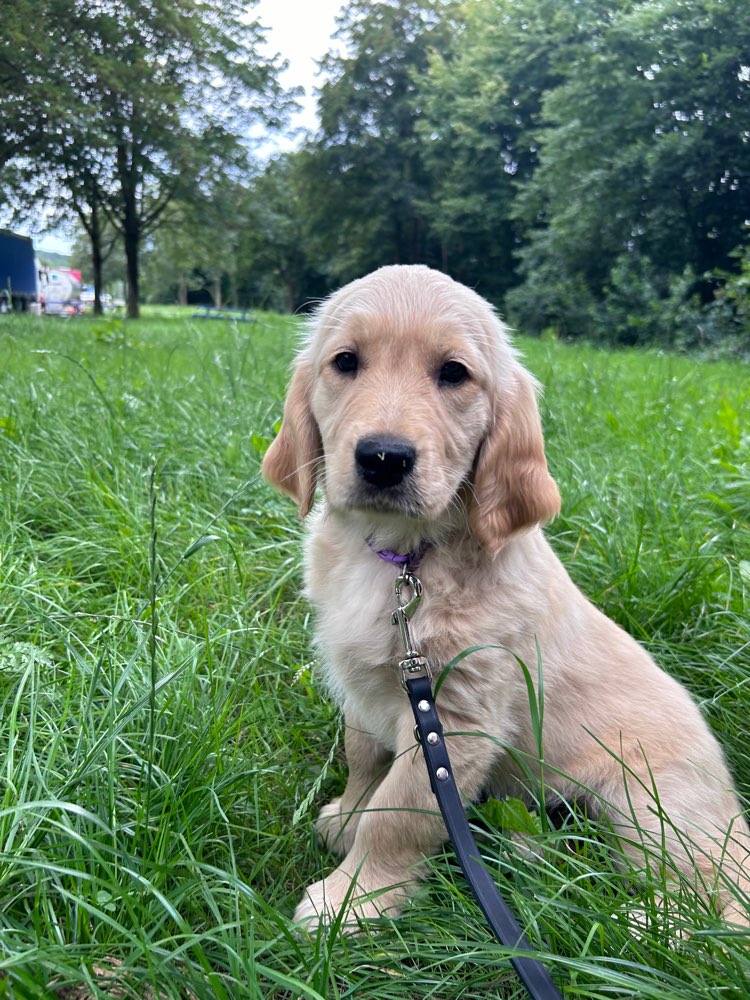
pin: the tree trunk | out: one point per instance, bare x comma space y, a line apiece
131, 257
217, 293
131, 230
97, 262
91, 223
182, 292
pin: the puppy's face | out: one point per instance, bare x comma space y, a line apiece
402, 405
408, 402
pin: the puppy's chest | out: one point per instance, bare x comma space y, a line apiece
356, 628
361, 647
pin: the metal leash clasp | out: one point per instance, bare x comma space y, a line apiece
413, 664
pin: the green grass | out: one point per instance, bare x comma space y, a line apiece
164, 744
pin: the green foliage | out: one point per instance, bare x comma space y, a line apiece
365, 177
480, 105
162, 720
466, 127
149, 103
581, 164
578, 163
248, 243
27, 47
278, 246
726, 320
199, 246
639, 180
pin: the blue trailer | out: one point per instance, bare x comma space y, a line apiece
18, 273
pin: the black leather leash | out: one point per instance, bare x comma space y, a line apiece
429, 731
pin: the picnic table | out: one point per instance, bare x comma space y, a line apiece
213, 312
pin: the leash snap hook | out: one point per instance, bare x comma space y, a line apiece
413, 665
407, 579
407, 608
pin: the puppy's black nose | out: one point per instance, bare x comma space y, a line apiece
384, 461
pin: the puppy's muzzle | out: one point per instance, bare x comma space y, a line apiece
384, 461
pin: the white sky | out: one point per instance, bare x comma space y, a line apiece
300, 30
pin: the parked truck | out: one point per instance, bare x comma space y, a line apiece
60, 289
19, 280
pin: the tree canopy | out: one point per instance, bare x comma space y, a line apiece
643, 172
126, 105
584, 165
367, 159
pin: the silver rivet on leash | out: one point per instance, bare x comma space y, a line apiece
423, 705
441, 774
433, 739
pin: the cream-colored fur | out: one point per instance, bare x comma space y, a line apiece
616, 727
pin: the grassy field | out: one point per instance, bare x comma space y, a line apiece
164, 745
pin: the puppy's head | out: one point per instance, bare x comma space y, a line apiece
408, 402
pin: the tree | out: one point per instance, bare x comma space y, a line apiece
278, 245
173, 257
481, 102
149, 94
111, 261
644, 162
84, 180
197, 247
365, 172
27, 48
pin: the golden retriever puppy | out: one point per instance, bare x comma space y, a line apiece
410, 412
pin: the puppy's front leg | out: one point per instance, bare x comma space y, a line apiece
401, 827
368, 762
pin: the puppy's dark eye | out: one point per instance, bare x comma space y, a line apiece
453, 373
346, 362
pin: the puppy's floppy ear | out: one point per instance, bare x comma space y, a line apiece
291, 462
512, 488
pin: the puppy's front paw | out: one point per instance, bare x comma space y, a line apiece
336, 828
325, 900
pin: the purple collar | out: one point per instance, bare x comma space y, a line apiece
407, 560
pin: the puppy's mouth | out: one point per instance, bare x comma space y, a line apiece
396, 500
